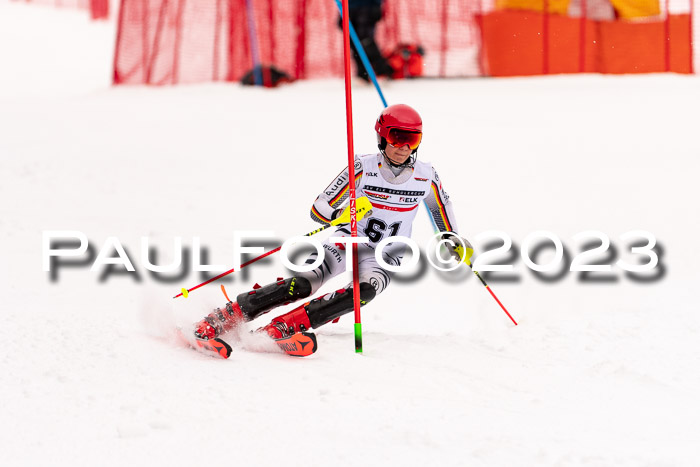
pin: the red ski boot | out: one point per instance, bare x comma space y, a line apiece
250, 305
317, 312
219, 321
283, 326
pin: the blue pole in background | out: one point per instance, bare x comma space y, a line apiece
253, 37
363, 55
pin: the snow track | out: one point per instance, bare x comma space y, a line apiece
596, 373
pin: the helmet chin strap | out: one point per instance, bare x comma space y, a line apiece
407, 163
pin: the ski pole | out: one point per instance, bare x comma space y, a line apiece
185, 292
492, 294
363, 207
466, 259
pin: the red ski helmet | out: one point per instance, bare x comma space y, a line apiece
399, 117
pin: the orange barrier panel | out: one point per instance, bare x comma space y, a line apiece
632, 47
565, 48
513, 44
681, 47
641, 47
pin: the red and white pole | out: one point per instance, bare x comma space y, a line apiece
351, 174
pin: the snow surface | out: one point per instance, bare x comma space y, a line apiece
596, 373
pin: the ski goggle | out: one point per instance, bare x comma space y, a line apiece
399, 138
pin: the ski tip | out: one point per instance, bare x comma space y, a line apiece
220, 347
214, 347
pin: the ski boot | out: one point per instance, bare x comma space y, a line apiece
317, 312
219, 321
250, 305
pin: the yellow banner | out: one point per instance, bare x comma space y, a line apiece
553, 6
628, 9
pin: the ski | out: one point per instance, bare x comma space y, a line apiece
301, 344
214, 347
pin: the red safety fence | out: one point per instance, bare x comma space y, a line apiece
99, 9
175, 41
179, 41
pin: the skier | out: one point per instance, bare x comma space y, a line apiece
396, 183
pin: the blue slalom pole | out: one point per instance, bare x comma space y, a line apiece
363, 55
253, 37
